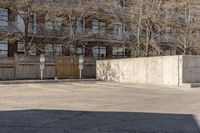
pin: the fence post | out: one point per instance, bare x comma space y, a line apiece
15, 66
42, 61
80, 66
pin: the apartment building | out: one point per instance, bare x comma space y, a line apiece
93, 35
109, 32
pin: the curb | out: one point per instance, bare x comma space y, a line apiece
44, 81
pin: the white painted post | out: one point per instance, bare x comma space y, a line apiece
41, 74
42, 66
80, 66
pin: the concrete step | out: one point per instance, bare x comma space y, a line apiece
191, 85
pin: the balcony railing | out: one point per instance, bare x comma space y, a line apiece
167, 39
108, 35
43, 31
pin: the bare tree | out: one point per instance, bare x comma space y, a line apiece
24, 20
149, 25
110, 11
186, 25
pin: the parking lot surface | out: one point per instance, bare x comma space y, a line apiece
98, 107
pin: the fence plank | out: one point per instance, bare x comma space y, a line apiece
8, 74
27, 71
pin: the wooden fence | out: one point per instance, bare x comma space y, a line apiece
28, 67
67, 67
7, 68
89, 69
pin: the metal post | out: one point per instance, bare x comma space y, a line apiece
41, 74
80, 66
80, 73
42, 66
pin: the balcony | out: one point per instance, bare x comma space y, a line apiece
103, 35
90, 34
167, 39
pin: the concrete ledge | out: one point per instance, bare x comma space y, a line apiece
44, 81
190, 85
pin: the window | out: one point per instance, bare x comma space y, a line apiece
20, 21
32, 49
79, 24
99, 51
32, 23
170, 30
122, 2
118, 52
3, 17
98, 26
49, 49
170, 52
58, 49
20, 47
55, 24
102, 52
53, 49
95, 51
82, 2
80, 50
120, 30
72, 50
3, 49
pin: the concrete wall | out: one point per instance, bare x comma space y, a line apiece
165, 70
191, 69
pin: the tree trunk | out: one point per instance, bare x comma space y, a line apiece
26, 25
147, 42
139, 25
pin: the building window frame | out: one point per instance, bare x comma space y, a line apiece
55, 24
4, 17
118, 52
20, 47
98, 26
53, 49
3, 49
80, 51
32, 23
99, 51
120, 30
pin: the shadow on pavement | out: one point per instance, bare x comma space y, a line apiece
61, 121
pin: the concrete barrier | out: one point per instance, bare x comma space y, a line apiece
163, 70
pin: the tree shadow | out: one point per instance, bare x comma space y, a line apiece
63, 121
109, 72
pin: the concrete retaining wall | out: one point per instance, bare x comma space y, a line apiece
165, 70
191, 69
